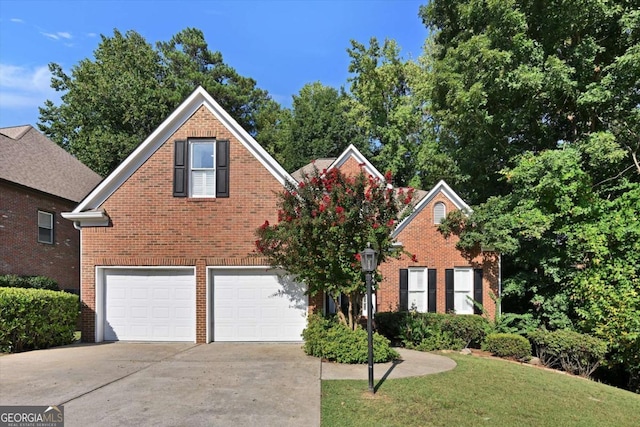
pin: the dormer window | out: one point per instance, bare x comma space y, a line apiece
439, 212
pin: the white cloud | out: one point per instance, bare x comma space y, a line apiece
17, 20
57, 36
92, 34
22, 87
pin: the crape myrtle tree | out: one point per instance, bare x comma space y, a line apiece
324, 222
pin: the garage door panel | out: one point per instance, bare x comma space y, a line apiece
251, 306
149, 305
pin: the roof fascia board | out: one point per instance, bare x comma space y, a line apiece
180, 115
440, 187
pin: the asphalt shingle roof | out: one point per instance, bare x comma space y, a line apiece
30, 159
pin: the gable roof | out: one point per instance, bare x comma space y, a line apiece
440, 187
330, 163
30, 159
307, 169
197, 99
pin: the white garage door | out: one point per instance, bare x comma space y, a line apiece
149, 305
257, 306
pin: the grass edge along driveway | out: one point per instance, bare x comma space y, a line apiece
480, 391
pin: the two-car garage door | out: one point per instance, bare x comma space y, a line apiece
150, 304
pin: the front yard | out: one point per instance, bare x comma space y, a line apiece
478, 392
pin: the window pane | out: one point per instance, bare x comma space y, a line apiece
463, 290
45, 235
417, 301
439, 212
202, 155
203, 183
45, 220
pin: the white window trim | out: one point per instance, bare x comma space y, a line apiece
418, 293
465, 306
50, 227
192, 169
438, 220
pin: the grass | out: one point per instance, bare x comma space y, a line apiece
480, 392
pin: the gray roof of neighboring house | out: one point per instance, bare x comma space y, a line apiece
29, 158
308, 169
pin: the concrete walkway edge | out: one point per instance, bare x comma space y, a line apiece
412, 363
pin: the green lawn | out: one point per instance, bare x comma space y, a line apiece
480, 392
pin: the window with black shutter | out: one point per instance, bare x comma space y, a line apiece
201, 168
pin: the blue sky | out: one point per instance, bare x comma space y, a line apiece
280, 44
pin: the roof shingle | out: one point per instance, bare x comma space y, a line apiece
30, 159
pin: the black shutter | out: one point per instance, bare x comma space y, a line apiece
448, 285
431, 289
477, 289
404, 289
180, 169
222, 169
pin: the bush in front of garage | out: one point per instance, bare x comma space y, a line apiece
36, 318
334, 341
30, 282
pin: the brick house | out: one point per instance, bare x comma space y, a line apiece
38, 181
167, 239
442, 279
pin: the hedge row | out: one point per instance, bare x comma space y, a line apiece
30, 282
570, 351
35, 318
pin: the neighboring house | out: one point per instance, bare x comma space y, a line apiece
38, 181
442, 279
167, 239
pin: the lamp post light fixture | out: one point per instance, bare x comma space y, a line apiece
369, 261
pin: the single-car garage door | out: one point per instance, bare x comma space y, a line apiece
149, 305
250, 305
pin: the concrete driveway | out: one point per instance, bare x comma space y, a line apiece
168, 384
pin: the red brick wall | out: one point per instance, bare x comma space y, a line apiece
433, 251
20, 251
422, 238
151, 227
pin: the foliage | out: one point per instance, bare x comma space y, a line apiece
508, 345
324, 222
112, 102
431, 331
509, 77
35, 318
334, 341
570, 351
479, 391
470, 329
319, 124
389, 107
34, 282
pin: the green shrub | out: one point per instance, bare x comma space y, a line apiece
334, 341
36, 318
579, 354
30, 282
432, 331
440, 340
508, 345
470, 329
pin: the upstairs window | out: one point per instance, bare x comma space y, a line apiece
45, 227
203, 171
201, 168
439, 212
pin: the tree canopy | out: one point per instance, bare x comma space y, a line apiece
323, 224
112, 102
